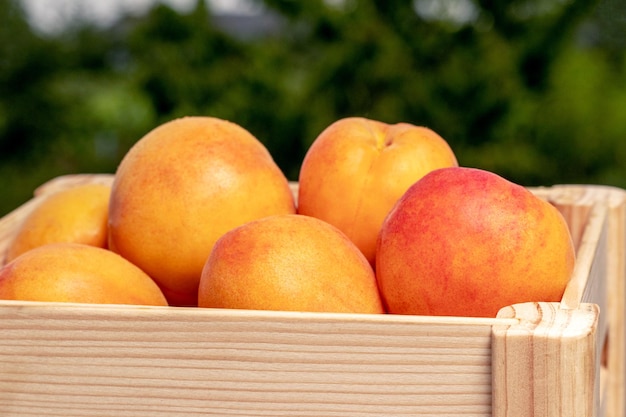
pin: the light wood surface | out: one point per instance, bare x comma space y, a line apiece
571, 199
539, 359
101, 361
546, 365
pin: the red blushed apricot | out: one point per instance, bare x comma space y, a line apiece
467, 242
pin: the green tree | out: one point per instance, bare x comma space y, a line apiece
529, 89
464, 79
26, 63
64, 107
30, 110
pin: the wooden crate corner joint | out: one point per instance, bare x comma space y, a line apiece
547, 362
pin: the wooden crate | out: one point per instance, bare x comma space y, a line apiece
535, 359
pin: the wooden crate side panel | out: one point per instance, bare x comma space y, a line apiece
173, 362
615, 355
589, 276
589, 280
614, 308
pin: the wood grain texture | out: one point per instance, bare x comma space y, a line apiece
571, 199
125, 361
546, 365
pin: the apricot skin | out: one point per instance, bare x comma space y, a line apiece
357, 168
289, 263
74, 215
466, 242
181, 187
79, 273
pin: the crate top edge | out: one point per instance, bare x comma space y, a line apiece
63, 308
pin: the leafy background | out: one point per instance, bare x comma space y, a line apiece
534, 90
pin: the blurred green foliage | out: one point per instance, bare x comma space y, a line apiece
534, 90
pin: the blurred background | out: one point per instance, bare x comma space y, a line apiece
534, 90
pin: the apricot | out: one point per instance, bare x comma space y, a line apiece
467, 242
182, 186
76, 215
357, 168
288, 262
79, 273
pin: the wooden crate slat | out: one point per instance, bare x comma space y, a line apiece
258, 362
